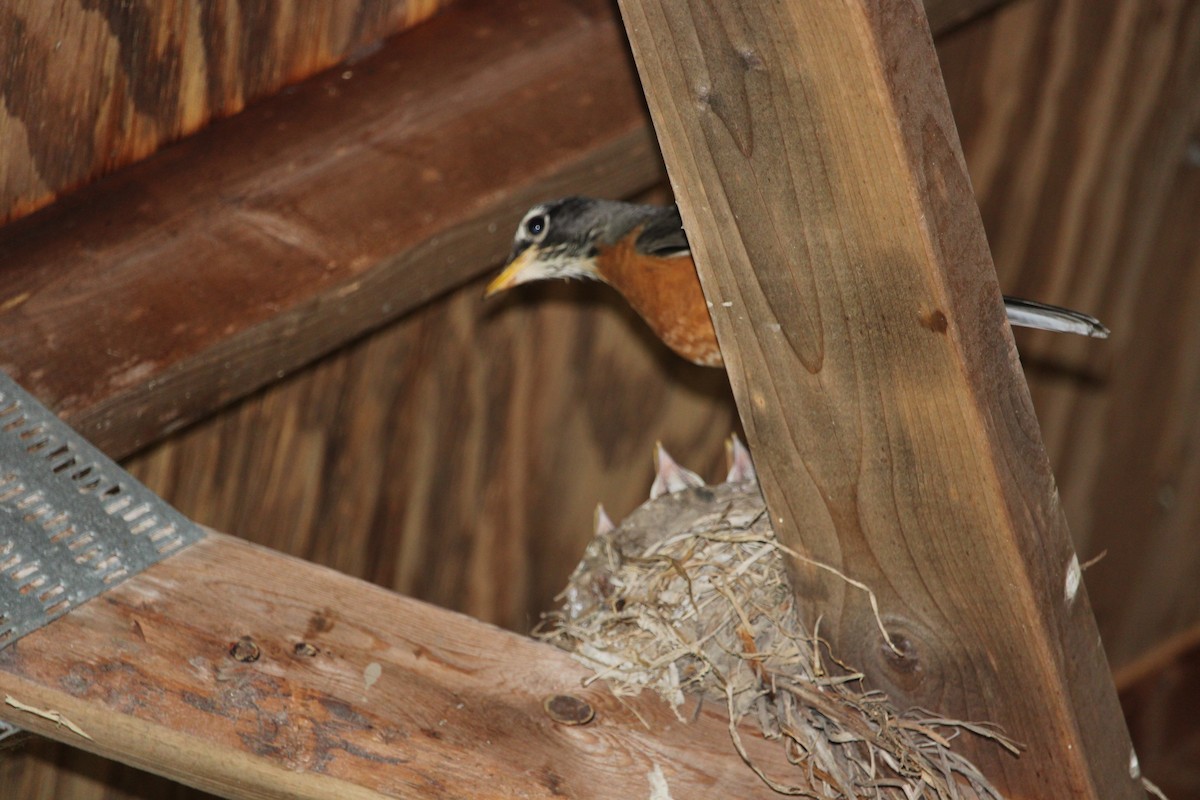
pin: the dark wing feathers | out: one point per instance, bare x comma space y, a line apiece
663, 234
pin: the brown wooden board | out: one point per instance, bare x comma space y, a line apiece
244, 672
826, 198
145, 301
91, 85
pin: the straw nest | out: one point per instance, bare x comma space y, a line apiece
690, 597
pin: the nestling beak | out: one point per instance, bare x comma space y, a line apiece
512, 274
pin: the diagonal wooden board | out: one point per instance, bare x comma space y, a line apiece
149, 299
824, 191
356, 692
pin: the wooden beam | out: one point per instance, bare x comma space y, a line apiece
824, 192
89, 87
141, 76
247, 673
147, 300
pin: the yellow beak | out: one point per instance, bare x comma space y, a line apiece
511, 275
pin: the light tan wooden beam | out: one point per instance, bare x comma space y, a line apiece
824, 192
250, 674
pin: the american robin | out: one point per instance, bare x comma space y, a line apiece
642, 252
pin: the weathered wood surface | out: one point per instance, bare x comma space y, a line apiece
819, 172
88, 85
1080, 125
253, 675
1093, 202
482, 506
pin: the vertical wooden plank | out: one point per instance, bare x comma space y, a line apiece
825, 194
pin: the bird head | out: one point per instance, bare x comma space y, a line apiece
557, 239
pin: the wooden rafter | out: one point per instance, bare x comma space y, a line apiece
250, 674
824, 191
149, 299
138, 76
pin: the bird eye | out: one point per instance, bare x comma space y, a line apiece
536, 226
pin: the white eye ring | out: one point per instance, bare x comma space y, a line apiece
535, 226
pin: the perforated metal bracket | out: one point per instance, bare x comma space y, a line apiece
72, 523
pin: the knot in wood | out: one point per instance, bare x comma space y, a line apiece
244, 650
567, 709
903, 659
935, 321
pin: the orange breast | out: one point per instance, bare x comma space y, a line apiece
666, 293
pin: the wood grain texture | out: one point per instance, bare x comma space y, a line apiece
828, 204
1080, 124
455, 456
144, 302
350, 692
91, 85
